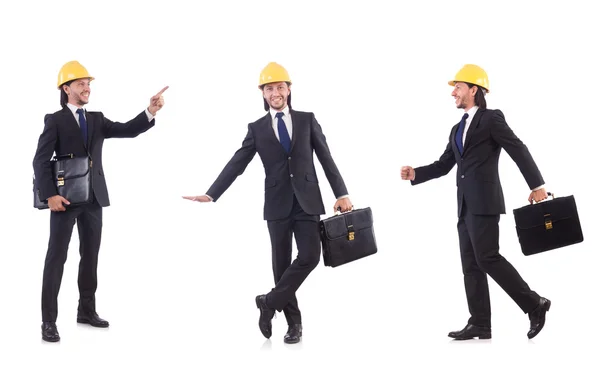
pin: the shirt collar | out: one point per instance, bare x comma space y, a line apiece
73, 108
286, 112
472, 112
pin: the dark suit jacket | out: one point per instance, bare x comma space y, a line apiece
285, 175
477, 176
62, 135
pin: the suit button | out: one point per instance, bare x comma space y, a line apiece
289, 158
291, 175
462, 176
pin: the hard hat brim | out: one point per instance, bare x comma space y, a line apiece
453, 83
74, 79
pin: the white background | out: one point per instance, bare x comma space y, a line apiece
177, 279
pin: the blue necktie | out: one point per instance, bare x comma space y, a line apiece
284, 136
83, 125
460, 131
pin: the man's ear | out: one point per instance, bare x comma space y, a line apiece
474, 90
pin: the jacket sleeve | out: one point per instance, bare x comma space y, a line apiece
234, 168
130, 129
506, 138
42, 167
319, 143
438, 168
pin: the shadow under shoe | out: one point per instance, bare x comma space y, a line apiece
472, 332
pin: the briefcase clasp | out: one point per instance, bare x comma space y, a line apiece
548, 222
351, 232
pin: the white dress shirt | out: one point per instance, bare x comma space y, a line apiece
287, 119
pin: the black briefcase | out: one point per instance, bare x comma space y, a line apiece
73, 178
548, 225
347, 237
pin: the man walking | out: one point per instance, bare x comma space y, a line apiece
474, 146
285, 140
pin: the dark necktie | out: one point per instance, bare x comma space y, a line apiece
284, 136
460, 132
83, 126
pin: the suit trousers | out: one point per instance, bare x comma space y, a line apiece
290, 275
89, 225
479, 252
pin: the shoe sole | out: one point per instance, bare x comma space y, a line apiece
480, 337
50, 340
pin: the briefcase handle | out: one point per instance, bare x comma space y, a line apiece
339, 211
549, 194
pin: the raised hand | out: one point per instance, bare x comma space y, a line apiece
157, 102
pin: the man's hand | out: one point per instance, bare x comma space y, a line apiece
538, 195
55, 203
407, 173
157, 102
201, 199
344, 204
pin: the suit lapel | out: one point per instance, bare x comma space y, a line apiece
72, 123
89, 119
295, 119
70, 119
472, 127
268, 126
453, 140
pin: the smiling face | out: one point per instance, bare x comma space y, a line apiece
78, 91
276, 94
464, 96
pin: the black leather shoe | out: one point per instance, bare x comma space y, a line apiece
91, 318
50, 332
537, 318
266, 315
293, 335
471, 332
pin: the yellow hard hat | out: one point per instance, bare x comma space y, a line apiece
70, 71
273, 72
472, 74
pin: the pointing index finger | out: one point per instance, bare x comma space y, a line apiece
161, 91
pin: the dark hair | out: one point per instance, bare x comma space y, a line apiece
289, 99
479, 96
64, 98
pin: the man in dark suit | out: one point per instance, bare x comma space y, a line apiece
73, 130
474, 146
285, 140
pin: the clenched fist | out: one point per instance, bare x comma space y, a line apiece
407, 173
